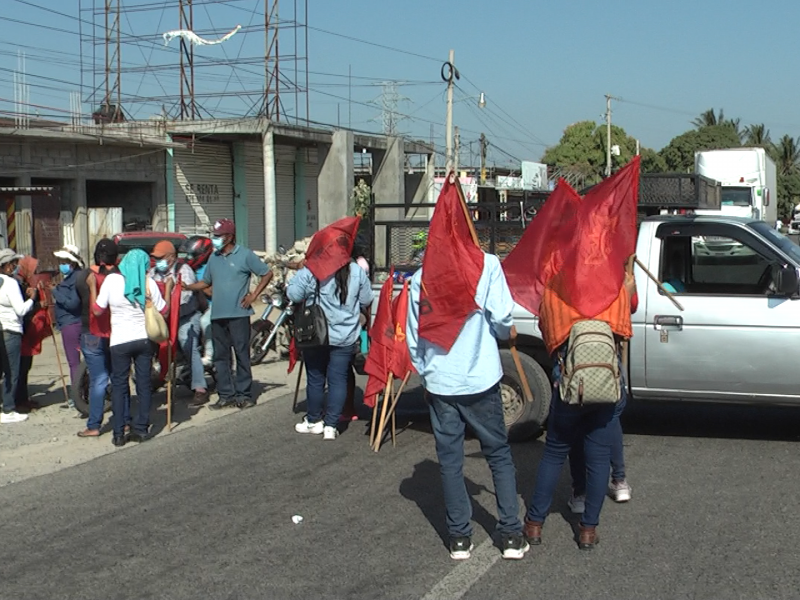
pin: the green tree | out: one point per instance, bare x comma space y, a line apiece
787, 155
710, 119
757, 136
787, 163
678, 155
581, 152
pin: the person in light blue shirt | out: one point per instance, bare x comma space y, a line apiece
342, 298
463, 387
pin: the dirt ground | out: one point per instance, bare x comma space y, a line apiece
47, 441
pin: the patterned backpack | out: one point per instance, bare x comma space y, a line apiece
590, 371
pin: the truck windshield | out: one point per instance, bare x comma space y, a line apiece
736, 196
777, 238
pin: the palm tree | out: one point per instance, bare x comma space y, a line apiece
787, 154
709, 119
757, 135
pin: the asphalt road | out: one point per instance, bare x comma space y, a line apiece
207, 513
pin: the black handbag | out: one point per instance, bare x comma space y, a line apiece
310, 325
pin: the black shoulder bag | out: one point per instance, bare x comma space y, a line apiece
310, 325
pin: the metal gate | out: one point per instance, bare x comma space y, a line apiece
45, 225
203, 186
254, 182
284, 187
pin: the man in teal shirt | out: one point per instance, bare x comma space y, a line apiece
229, 270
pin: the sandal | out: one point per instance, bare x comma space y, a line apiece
88, 433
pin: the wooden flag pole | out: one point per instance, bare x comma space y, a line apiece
373, 425
58, 354
526, 388
297, 386
659, 284
170, 377
389, 385
393, 407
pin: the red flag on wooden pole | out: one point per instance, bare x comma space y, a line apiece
451, 270
381, 345
540, 251
331, 247
401, 359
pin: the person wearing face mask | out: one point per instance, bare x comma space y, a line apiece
229, 270
68, 307
166, 273
13, 309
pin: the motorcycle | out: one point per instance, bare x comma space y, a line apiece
183, 376
266, 335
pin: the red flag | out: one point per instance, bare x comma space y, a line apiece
451, 269
331, 247
539, 253
381, 344
294, 355
401, 359
594, 267
174, 312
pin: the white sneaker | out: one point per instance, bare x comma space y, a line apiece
619, 491
306, 427
12, 417
577, 504
329, 433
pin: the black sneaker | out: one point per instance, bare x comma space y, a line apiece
223, 403
515, 546
460, 548
245, 403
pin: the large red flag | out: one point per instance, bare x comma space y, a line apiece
174, 312
539, 253
594, 268
331, 247
381, 344
451, 269
401, 359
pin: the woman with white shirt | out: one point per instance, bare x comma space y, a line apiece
13, 309
125, 293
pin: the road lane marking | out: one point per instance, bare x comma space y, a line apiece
458, 582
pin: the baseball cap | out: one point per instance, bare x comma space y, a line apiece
162, 248
7, 255
224, 227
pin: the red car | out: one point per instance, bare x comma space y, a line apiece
145, 240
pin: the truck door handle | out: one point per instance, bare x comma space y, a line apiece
668, 321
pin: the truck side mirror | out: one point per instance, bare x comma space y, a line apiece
787, 280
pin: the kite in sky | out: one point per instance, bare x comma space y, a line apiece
192, 37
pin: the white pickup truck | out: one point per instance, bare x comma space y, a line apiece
736, 340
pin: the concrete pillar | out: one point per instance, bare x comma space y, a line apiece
24, 214
388, 186
336, 179
169, 188
240, 194
81, 217
270, 193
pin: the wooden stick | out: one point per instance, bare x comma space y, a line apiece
297, 386
659, 284
170, 377
372, 427
526, 388
58, 357
389, 386
392, 411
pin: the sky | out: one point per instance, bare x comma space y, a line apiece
541, 65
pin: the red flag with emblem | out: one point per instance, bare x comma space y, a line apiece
539, 253
401, 358
331, 247
451, 269
174, 312
594, 266
381, 344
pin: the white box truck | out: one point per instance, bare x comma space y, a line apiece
749, 181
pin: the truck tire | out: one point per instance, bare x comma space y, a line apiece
524, 420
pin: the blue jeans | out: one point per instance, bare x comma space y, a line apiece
205, 330
140, 352
232, 333
189, 339
483, 413
577, 458
98, 363
329, 364
593, 427
11, 354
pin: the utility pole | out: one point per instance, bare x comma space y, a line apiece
457, 150
608, 135
449, 74
484, 146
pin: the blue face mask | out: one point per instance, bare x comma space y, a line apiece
162, 265
218, 242
65, 269
15, 272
